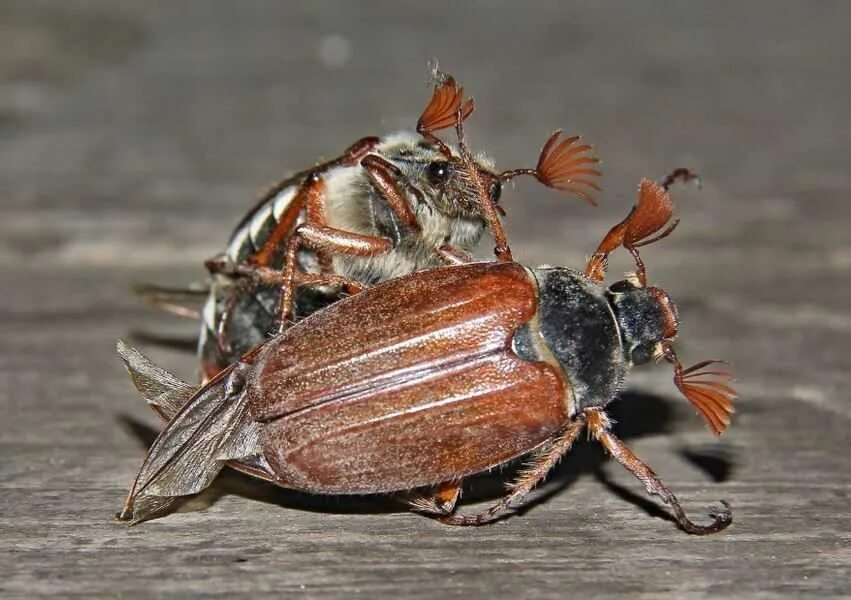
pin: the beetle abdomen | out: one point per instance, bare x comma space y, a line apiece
280, 204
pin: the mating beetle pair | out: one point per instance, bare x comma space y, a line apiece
419, 382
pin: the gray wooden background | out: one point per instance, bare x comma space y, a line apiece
133, 136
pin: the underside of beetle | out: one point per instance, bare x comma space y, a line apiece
385, 207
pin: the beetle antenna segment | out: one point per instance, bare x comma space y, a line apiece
446, 107
462, 139
709, 391
599, 426
649, 221
542, 462
681, 174
565, 166
450, 255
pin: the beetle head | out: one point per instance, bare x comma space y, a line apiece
647, 317
458, 182
649, 322
461, 179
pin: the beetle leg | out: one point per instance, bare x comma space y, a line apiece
353, 153
489, 210
326, 239
598, 424
384, 177
311, 189
339, 241
349, 285
491, 216
545, 458
291, 277
452, 255
309, 199
440, 500
351, 156
181, 302
314, 234
316, 215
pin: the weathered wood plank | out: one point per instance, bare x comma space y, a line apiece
131, 138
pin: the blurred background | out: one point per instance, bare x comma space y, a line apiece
134, 135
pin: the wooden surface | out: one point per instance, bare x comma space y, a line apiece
133, 137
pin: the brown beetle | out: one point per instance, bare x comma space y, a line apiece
386, 207
420, 382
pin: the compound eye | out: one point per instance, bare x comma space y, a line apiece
642, 354
621, 287
496, 191
437, 172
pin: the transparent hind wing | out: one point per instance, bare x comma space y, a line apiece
164, 392
214, 426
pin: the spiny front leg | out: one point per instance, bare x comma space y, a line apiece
598, 424
314, 234
487, 208
385, 179
449, 108
543, 461
292, 276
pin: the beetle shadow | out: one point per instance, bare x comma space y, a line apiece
635, 414
718, 462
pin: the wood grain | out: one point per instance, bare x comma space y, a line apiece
133, 137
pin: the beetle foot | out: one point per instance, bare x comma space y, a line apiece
721, 519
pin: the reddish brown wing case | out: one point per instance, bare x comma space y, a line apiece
409, 383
